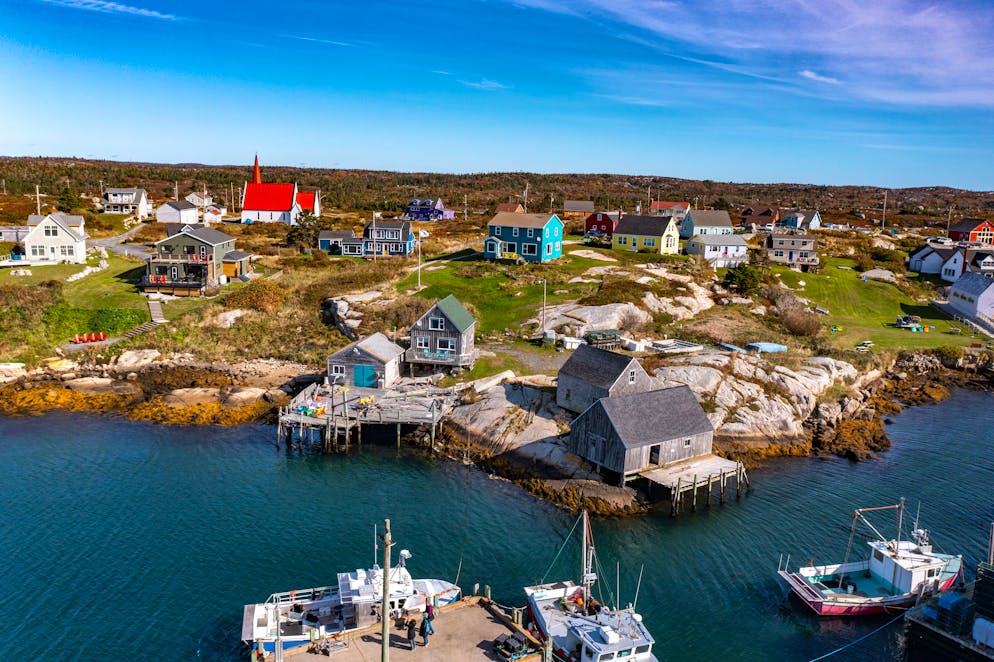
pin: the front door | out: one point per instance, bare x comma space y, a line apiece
790, 256
364, 375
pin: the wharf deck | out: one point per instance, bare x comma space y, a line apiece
691, 475
337, 410
463, 631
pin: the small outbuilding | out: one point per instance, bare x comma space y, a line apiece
177, 211
591, 373
372, 362
626, 435
331, 240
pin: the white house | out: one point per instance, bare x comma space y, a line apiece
127, 201
953, 267
801, 219
214, 213
199, 200
720, 250
973, 295
177, 211
705, 221
55, 237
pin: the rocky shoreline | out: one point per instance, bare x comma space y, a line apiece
508, 426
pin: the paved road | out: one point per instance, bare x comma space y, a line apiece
114, 244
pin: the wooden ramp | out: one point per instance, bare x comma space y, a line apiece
690, 476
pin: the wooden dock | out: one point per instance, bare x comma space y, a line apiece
464, 630
334, 416
687, 478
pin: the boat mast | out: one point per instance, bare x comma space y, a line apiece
385, 605
583, 556
900, 521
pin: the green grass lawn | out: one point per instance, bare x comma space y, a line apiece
114, 287
868, 310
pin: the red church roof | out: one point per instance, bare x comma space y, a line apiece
268, 197
306, 201
666, 204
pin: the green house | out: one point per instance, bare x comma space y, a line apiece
192, 258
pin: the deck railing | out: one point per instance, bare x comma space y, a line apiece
442, 357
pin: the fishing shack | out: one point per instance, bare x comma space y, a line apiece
591, 373
371, 362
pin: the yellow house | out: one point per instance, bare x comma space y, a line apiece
647, 233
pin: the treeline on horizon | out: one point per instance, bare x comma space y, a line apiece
367, 190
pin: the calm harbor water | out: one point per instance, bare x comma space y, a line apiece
120, 540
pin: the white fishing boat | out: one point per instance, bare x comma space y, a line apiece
896, 574
582, 629
303, 615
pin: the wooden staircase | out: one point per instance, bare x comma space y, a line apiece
155, 311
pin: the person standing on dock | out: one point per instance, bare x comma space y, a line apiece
426, 629
411, 632
430, 608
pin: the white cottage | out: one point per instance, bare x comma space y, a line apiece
127, 201
720, 250
176, 211
973, 295
55, 237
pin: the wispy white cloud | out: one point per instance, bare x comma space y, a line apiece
441, 73
486, 85
316, 40
105, 7
636, 101
937, 53
810, 75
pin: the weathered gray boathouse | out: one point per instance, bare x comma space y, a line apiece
372, 362
591, 374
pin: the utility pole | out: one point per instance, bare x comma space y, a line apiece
949, 219
883, 220
176, 191
38, 198
385, 604
419, 262
552, 199
526, 197
465, 213
5, 187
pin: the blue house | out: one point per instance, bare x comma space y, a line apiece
331, 240
801, 219
532, 237
383, 239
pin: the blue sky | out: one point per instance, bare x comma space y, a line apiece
887, 92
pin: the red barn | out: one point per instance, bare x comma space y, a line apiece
601, 224
972, 229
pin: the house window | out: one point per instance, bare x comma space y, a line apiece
396, 248
37, 251
686, 443
531, 233
436, 323
559, 246
649, 242
555, 231
421, 342
670, 242
51, 231
514, 232
511, 247
622, 241
446, 344
203, 252
529, 249
777, 253
337, 370
631, 376
546, 233
548, 249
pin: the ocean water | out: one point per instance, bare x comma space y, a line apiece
122, 540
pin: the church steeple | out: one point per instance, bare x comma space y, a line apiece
256, 174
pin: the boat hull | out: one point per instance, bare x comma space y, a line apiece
851, 605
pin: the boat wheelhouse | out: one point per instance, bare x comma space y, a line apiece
299, 616
896, 575
581, 629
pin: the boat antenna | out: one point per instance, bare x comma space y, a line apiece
584, 569
900, 521
990, 547
385, 605
617, 584
639, 584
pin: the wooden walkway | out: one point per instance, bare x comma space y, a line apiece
687, 478
335, 415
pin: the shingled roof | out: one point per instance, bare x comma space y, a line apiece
648, 418
512, 220
643, 226
972, 283
596, 366
711, 218
457, 314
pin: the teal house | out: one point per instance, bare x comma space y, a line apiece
531, 237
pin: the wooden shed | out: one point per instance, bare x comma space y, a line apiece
372, 362
444, 336
591, 373
624, 436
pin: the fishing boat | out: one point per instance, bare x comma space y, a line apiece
582, 629
299, 616
896, 575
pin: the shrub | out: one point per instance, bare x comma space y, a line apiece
801, 322
263, 295
949, 352
631, 322
743, 279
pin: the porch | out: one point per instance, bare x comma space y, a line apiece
440, 357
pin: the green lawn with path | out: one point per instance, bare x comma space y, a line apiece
868, 310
